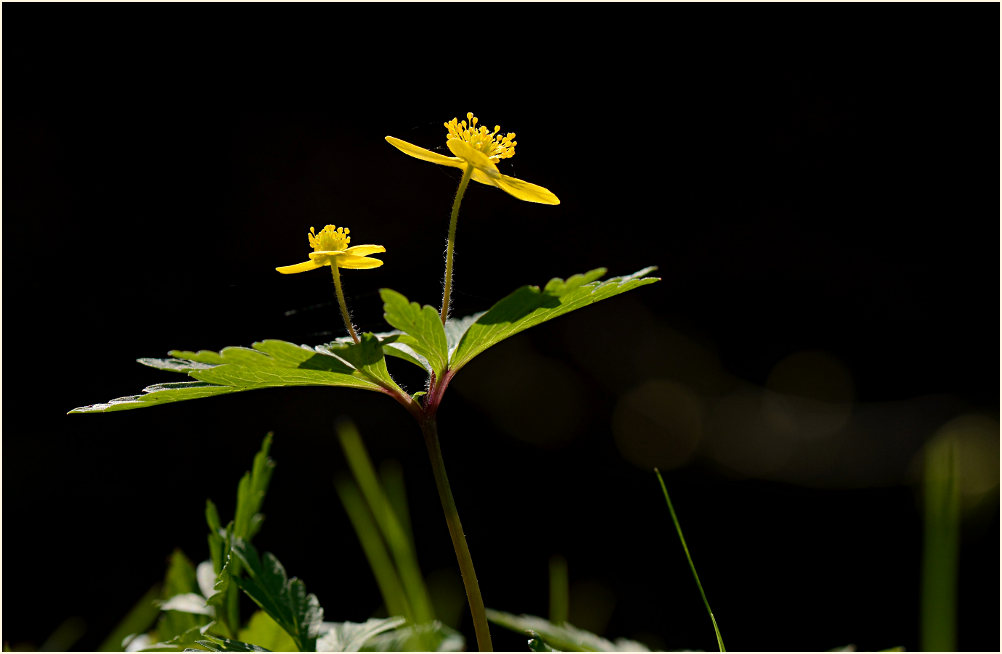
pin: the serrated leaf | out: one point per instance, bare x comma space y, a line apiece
564, 637
421, 326
351, 636
530, 306
284, 599
215, 578
267, 364
431, 636
158, 394
250, 493
174, 365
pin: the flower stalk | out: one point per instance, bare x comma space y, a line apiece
451, 243
343, 304
429, 428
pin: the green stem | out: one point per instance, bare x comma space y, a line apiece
447, 292
430, 430
341, 302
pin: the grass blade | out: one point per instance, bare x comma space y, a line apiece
940, 548
678, 528
559, 591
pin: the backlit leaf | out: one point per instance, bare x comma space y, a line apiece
421, 326
267, 364
530, 306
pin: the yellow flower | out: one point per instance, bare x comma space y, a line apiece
482, 149
330, 247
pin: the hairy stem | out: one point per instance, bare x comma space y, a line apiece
341, 302
450, 246
430, 429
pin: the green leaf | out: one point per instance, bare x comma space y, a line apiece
391, 347
268, 364
180, 615
366, 356
563, 637
430, 636
222, 596
217, 541
263, 631
528, 306
351, 636
456, 328
421, 326
158, 394
284, 599
251, 491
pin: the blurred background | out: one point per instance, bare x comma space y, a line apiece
819, 199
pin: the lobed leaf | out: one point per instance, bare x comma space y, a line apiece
266, 364
421, 326
284, 599
530, 306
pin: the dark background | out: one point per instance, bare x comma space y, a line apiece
816, 184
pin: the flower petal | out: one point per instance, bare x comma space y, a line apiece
362, 250
485, 178
424, 155
524, 190
299, 267
464, 151
361, 263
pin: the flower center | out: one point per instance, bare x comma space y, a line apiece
329, 239
480, 138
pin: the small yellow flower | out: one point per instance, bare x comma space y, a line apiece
482, 149
330, 248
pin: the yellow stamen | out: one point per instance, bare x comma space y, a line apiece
329, 239
480, 138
